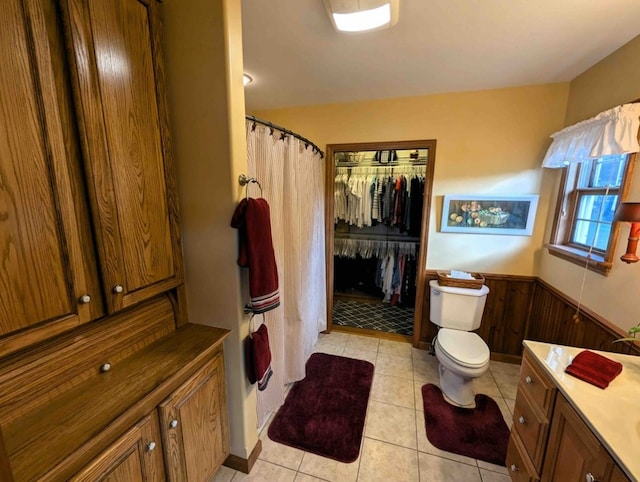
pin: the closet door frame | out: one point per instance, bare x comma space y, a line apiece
421, 267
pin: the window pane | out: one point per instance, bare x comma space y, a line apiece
602, 172
589, 207
591, 232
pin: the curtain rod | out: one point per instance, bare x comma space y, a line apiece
286, 131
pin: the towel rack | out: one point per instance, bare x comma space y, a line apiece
244, 180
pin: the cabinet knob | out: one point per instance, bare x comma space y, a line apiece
522, 420
118, 289
173, 423
151, 446
528, 380
105, 367
590, 478
514, 468
84, 299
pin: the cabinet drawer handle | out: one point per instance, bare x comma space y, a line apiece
105, 367
118, 289
173, 423
522, 420
590, 478
151, 446
528, 380
514, 468
84, 299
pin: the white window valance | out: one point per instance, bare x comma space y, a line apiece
612, 132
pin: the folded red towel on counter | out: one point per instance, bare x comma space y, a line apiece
593, 368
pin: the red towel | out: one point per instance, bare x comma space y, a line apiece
253, 221
593, 368
258, 357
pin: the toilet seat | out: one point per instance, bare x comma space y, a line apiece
464, 348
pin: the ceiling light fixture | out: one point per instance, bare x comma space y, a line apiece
246, 79
362, 15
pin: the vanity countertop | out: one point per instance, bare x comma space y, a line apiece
613, 414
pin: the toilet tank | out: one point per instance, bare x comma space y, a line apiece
456, 308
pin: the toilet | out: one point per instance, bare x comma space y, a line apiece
462, 354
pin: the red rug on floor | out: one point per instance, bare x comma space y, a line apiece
479, 433
324, 413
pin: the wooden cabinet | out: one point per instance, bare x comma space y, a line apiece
89, 233
194, 426
46, 267
136, 456
85, 142
531, 416
549, 441
117, 69
573, 451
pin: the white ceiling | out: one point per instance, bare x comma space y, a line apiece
296, 58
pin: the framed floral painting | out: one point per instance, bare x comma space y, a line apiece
489, 214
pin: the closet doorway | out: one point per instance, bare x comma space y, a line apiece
378, 199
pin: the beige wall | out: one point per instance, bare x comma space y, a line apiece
613, 81
487, 142
203, 57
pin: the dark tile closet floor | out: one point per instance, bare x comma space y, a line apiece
374, 316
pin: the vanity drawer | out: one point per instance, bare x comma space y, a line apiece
517, 462
532, 427
537, 385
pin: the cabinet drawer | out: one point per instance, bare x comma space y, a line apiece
532, 427
518, 465
537, 385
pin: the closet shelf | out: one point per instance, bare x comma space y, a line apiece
422, 161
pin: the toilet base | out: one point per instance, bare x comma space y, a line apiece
458, 389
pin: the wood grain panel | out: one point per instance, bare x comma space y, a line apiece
34, 280
120, 102
552, 321
57, 439
122, 43
34, 377
129, 458
199, 407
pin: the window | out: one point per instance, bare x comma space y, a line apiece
590, 191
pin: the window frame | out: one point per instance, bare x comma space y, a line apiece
560, 244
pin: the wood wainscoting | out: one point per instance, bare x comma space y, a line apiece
525, 307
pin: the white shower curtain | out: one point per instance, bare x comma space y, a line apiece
292, 179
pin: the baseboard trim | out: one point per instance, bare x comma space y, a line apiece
506, 358
244, 465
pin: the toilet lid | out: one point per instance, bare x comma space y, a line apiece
464, 347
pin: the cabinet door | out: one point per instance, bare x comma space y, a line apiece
119, 92
573, 451
45, 279
134, 457
195, 427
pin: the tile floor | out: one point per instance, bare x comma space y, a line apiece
394, 446
379, 316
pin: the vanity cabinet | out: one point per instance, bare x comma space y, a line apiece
549, 441
137, 455
574, 453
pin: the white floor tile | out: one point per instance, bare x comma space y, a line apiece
390, 423
280, 454
329, 469
394, 366
393, 390
385, 462
224, 474
437, 469
507, 383
396, 348
426, 370
488, 476
365, 343
264, 471
360, 354
492, 467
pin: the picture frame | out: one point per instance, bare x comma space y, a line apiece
489, 214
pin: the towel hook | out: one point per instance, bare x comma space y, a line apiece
244, 180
